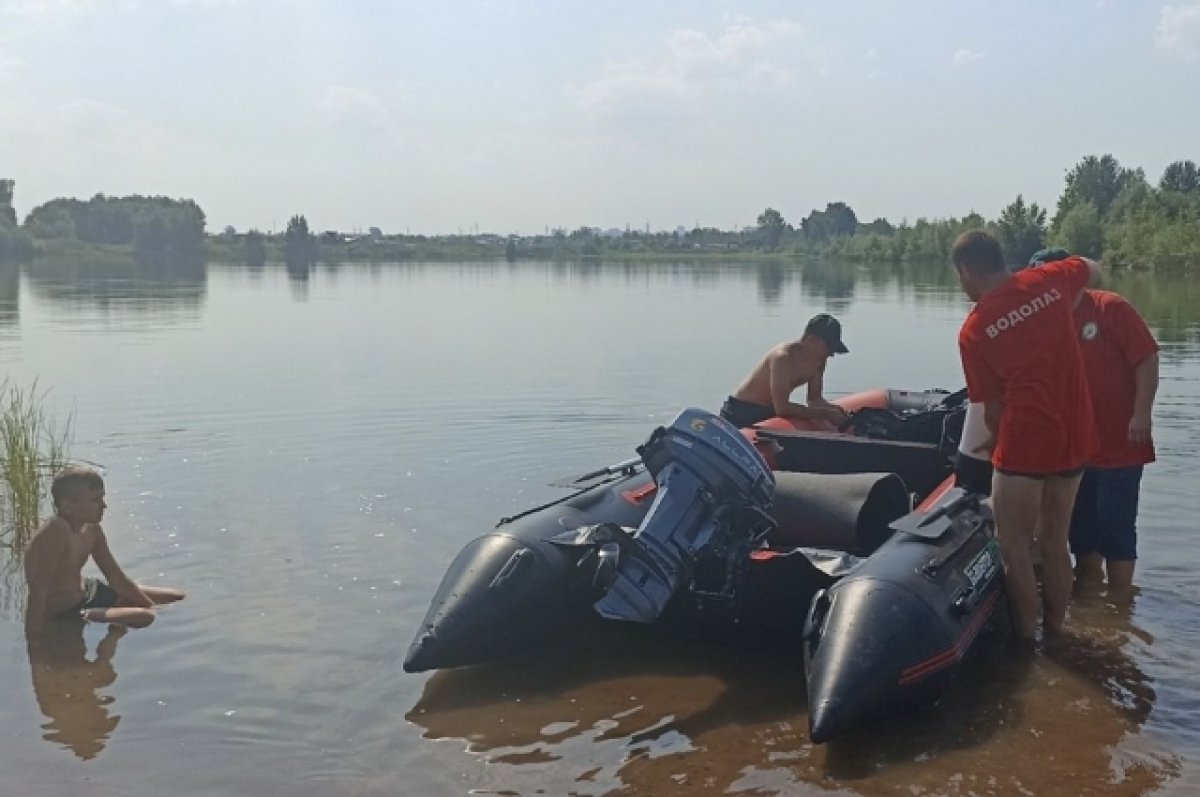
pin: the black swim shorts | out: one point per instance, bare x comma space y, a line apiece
97, 595
745, 413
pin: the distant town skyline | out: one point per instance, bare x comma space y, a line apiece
518, 117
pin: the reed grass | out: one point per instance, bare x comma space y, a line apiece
32, 449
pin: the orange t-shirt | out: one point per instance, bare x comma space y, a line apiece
1018, 346
1113, 339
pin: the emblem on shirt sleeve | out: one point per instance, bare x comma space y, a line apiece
1089, 330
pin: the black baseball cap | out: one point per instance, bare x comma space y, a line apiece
828, 329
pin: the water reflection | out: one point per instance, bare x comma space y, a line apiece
299, 275
10, 292
1170, 302
117, 285
772, 276
68, 687
657, 715
833, 282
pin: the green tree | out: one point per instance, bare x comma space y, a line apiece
1097, 180
299, 244
880, 226
1081, 232
15, 243
1180, 176
55, 222
7, 211
835, 221
840, 219
772, 227
1021, 230
256, 248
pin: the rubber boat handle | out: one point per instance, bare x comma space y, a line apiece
814, 623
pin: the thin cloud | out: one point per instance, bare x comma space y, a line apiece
45, 8
9, 66
51, 9
1178, 31
338, 100
358, 108
694, 66
966, 57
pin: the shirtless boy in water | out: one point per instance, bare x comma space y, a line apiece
56, 555
767, 391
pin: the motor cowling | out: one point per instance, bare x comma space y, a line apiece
714, 494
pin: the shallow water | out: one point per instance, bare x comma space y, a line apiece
304, 454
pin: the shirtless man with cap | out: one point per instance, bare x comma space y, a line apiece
767, 391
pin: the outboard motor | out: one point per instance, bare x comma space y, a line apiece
714, 489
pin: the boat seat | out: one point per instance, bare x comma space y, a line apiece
922, 466
844, 512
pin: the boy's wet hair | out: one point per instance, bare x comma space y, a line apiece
72, 480
978, 252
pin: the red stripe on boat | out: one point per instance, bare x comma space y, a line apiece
636, 496
953, 653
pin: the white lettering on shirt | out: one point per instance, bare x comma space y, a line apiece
1027, 310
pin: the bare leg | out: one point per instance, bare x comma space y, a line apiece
1016, 501
132, 616
162, 594
1089, 568
1120, 573
1058, 502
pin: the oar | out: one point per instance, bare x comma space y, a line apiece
598, 476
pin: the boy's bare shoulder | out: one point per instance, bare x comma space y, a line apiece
54, 528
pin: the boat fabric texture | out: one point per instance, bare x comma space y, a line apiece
941, 425
1018, 347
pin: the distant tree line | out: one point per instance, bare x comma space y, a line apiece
159, 229
1105, 210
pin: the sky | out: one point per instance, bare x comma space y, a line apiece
518, 117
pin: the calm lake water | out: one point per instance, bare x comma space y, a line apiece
304, 454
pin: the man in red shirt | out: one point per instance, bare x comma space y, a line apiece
1120, 357
1022, 362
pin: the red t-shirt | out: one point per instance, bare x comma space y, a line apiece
1113, 339
1018, 346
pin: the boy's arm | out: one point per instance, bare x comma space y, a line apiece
816, 398
124, 586
782, 381
42, 559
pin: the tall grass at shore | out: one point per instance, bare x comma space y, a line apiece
32, 449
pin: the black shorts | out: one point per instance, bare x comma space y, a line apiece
745, 413
96, 595
1106, 509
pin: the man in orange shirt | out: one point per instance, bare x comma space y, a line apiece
1120, 357
1021, 360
